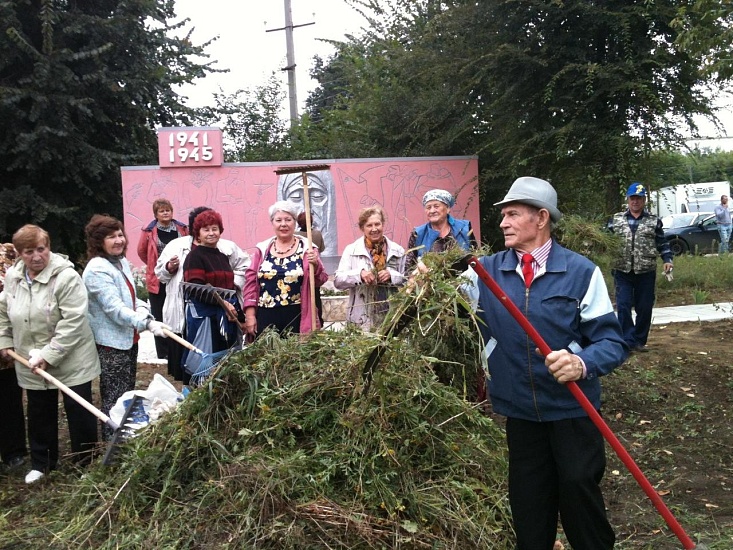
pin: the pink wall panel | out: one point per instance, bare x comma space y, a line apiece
242, 193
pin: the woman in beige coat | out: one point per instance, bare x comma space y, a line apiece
43, 316
371, 268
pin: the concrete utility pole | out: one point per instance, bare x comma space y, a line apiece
290, 67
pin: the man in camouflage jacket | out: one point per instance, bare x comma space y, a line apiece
635, 270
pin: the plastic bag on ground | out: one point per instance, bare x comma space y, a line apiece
160, 397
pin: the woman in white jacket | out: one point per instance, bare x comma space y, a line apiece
370, 269
116, 314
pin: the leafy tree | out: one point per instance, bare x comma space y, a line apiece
666, 167
578, 92
83, 83
711, 41
380, 95
251, 122
582, 91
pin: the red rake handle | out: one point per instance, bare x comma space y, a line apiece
587, 406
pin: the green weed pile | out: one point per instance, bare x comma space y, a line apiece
286, 447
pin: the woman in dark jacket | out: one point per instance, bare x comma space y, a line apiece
211, 325
153, 238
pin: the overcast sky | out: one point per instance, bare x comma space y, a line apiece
252, 54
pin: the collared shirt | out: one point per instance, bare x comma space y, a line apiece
540, 255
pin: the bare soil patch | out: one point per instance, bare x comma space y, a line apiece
671, 409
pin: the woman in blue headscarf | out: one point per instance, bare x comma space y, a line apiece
442, 231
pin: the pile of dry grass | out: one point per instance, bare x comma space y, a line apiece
284, 447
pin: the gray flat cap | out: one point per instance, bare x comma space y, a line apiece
535, 192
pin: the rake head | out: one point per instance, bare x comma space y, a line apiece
300, 169
206, 293
134, 417
207, 366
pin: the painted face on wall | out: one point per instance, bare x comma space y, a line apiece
322, 198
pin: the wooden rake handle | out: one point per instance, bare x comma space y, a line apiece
304, 169
67, 390
309, 235
185, 343
225, 306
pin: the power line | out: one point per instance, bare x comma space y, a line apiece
709, 138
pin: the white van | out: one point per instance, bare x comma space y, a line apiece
689, 197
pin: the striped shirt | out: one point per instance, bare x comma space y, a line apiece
540, 255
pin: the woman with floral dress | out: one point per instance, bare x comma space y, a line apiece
277, 283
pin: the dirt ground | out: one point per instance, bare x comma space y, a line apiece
670, 408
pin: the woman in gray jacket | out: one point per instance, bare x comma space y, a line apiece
43, 315
116, 315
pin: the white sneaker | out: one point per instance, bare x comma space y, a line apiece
33, 476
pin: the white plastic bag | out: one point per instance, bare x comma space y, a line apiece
161, 396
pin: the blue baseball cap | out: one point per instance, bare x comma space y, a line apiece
636, 189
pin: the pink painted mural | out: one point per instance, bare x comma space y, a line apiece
192, 175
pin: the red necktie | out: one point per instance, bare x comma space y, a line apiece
527, 269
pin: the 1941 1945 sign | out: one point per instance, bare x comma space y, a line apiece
189, 147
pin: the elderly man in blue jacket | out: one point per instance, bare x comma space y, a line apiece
556, 454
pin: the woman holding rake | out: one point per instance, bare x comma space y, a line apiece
116, 314
43, 315
277, 284
212, 324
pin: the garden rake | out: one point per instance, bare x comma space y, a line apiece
206, 293
121, 432
303, 170
210, 294
587, 406
208, 360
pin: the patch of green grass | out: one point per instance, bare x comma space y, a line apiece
700, 296
704, 273
697, 280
